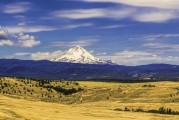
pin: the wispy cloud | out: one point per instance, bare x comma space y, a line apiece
159, 42
38, 55
93, 13
112, 26
21, 20
21, 54
162, 46
79, 13
156, 37
17, 7
137, 14
46, 55
166, 4
37, 28
99, 54
155, 15
29, 29
73, 26
81, 42
139, 58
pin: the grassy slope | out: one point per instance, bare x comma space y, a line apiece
31, 90
21, 109
99, 100
162, 92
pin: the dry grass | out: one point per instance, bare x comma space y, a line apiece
150, 92
20, 109
99, 101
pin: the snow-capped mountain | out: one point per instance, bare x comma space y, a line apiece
80, 55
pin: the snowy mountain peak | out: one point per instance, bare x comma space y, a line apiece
79, 55
78, 51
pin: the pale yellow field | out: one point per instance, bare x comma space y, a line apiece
12, 109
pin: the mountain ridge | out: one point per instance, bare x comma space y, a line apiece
44, 69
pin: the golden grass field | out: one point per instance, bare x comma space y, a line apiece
95, 105
20, 109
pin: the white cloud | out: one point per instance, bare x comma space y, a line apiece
98, 54
155, 37
137, 14
139, 58
3, 33
6, 43
166, 4
156, 16
93, 13
158, 42
86, 41
73, 26
79, 13
137, 10
21, 54
132, 54
5, 38
38, 55
34, 29
45, 55
25, 40
21, 23
162, 46
21, 20
19, 40
111, 26
125, 57
29, 29
18, 7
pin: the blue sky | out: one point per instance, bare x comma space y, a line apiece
129, 32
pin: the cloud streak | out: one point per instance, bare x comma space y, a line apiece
156, 37
29, 29
39, 55
156, 16
164, 4
38, 28
45, 55
112, 26
93, 13
139, 58
136, 14
163, 46
18, 7
81, 42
